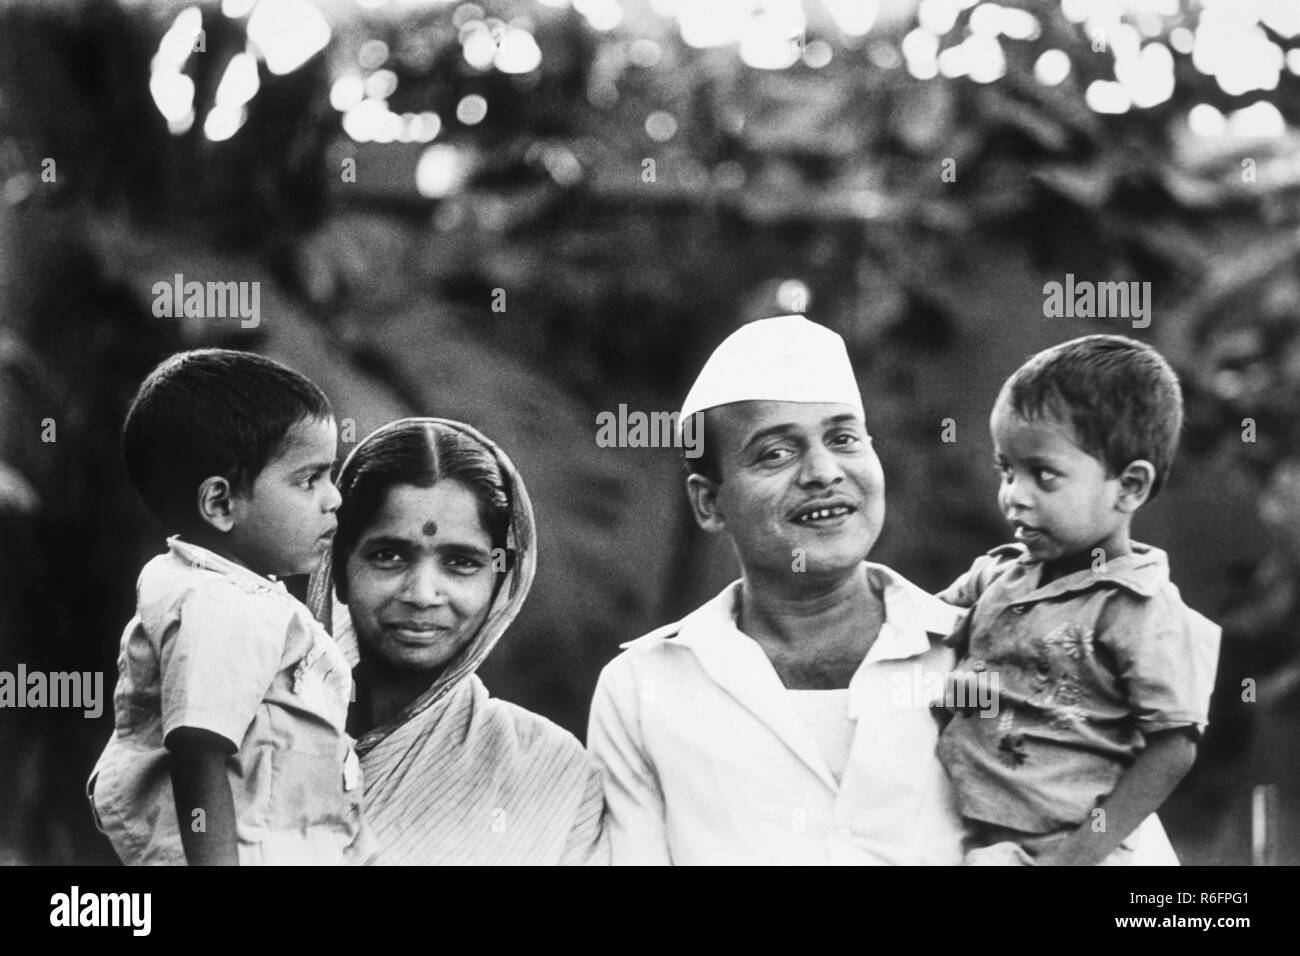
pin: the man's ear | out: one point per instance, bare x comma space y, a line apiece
217, 503
1135, 483
703, 495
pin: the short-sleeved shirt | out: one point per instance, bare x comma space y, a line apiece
217, 647
1086, 666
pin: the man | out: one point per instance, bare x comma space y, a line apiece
787, 720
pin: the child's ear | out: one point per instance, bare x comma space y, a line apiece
703, 495
217, 503
1135, 483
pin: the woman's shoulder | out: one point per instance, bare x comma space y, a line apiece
528, 732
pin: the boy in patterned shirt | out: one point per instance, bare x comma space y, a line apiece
1104, 675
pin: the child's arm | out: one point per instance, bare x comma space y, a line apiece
199, 782
1141, 791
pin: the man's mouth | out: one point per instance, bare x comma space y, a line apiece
822, 513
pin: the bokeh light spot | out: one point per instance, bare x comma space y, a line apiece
1052, 67
660, 126
472, 110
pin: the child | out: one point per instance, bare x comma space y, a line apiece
1104, 674
231, 701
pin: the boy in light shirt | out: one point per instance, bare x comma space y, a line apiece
231, 700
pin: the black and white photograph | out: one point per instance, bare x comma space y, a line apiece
729, 433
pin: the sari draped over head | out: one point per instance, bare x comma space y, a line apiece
460, 777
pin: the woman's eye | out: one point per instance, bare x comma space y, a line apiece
384, 558
1044, 476
462, 564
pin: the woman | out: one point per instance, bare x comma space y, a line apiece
433, 558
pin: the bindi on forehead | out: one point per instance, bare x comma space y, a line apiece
430, 529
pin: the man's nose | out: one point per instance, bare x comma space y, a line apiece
820, 467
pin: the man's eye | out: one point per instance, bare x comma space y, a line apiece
775, 456
846, 440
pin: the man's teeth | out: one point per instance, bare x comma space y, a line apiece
822, 514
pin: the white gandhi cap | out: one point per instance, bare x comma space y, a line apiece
785, 359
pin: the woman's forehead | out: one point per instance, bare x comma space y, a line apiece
447, 508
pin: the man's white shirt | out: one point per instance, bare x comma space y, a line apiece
707, 760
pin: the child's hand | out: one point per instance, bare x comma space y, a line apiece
1005, 853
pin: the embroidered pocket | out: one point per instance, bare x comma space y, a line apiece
321, 688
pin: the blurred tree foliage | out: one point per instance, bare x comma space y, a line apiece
819, 183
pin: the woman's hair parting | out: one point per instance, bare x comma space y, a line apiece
421, 454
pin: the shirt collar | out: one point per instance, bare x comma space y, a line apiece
911, 615
200, 557
1144, 571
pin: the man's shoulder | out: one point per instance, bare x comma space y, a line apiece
719, 608
652, 650
671, 645
652, 639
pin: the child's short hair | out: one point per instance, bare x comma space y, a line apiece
211, 412
1120, 395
